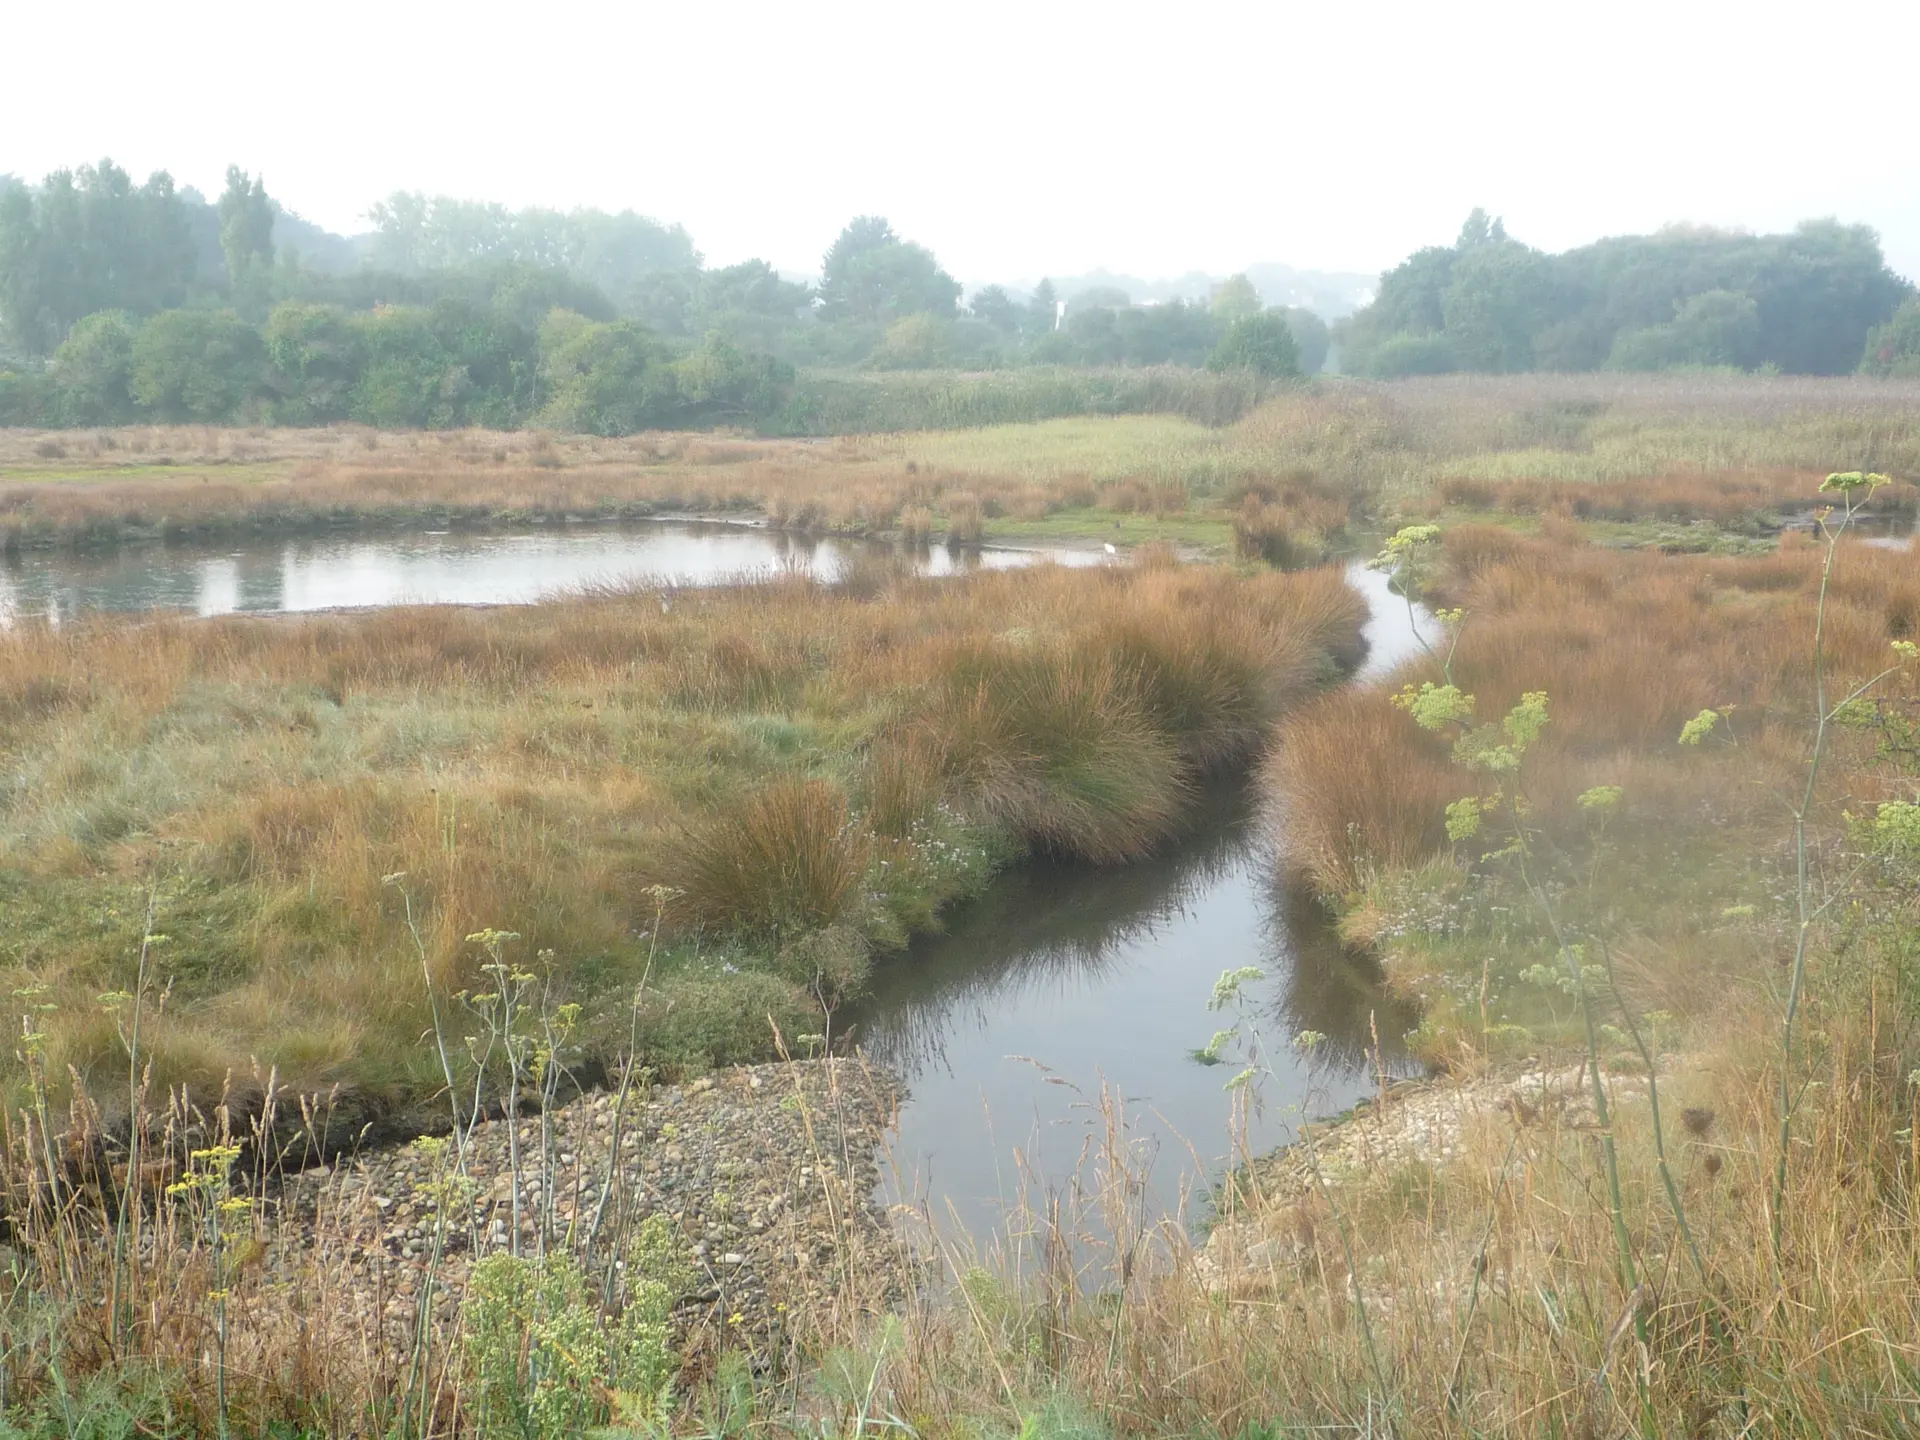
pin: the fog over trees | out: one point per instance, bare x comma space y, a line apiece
121, 301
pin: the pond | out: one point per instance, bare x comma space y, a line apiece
445, 568
1047, 1036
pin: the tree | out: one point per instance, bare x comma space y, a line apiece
1478, 229
1095, 333
1402, 355
1894, 348
315, 355
246, 231
993, 305
1819, 291
90, 240
722, 383
1043, 311
1261, 343
1310, 337
667, 301
92, 371
1174, 333
597, 376
23, 303
863, 235
415, 232
1499, 293
1235, 299
872, 276
1100, 297
618, 252
1717, 327
1410, 302
196, 365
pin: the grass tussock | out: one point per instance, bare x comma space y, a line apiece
783, 861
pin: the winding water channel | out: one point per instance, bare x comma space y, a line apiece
1047, 1037
1050, 1030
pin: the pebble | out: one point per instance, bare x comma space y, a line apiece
764, 1191
1420, 1122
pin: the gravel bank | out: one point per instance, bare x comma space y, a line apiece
767, 1172
1421, 1122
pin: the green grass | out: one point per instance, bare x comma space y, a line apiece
1211, 533
66, 473
1104, 448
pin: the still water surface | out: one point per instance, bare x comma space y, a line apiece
1068, 997
441, 568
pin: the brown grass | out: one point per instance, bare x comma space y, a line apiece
536, 769
1628, 648
783, 861
1325, 453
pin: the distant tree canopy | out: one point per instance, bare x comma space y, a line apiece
1803, 303
449, 364
87, 241
121, 301
415, 232
871, 275
246, 230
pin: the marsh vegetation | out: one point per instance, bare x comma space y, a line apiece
740, 798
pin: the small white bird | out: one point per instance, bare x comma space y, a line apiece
1110, 549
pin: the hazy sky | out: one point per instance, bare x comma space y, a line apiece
1013, 139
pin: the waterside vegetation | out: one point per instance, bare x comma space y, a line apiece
814, 770
1642, 824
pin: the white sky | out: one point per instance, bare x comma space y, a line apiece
1013, 137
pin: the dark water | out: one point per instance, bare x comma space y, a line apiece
1062, 1007
441, 568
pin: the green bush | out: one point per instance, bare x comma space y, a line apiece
197, 365
1718, 328
1403, 355
1261, 343
540, 1352
315, 356
23, 398
91, 373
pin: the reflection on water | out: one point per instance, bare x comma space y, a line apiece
440, 568
1065, 990
1065, 979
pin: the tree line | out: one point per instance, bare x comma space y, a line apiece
121, 301
1819, 300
